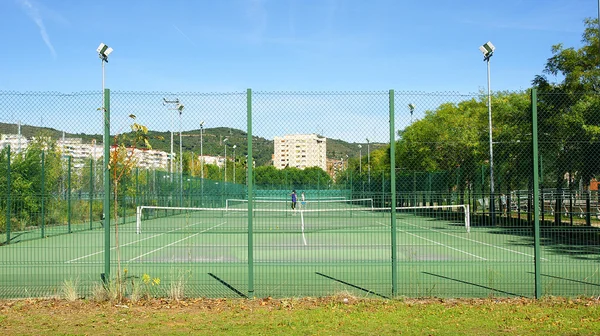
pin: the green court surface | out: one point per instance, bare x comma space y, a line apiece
310, 252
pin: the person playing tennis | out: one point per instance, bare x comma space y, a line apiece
302, 200
294, 199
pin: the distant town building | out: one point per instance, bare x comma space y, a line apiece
300, 151
81, 153
17, 142
216, 160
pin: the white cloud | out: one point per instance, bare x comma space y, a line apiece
34, 14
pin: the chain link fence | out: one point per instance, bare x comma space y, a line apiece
441, 210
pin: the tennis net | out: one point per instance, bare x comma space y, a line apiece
313, 204
235, 220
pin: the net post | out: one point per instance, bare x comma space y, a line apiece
138, 219
468, 217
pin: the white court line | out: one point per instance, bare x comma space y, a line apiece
438, 243
475, 241
133, 242
175, 242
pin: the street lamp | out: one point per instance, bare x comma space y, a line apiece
180, 108
411, 108
360, 159
165, 102
103, 52
488, 50
201, 153
234, 147
225, 144
369, 160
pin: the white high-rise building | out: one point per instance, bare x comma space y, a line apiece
300, 151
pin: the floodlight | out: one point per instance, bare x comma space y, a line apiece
487, 50
411, 106
180, 108
202, 123
103, 51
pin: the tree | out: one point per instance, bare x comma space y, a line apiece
568, 104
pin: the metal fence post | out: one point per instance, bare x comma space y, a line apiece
8, 192
42, 194
393, 194
91, 192
69, 193
250, 196
536, 195
106, 184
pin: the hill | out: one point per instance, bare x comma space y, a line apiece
212, 142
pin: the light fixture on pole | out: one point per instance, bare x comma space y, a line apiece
201, 163
234, 147
225, 163
103, 52
166, 102
488, 50
369, 160
411, 108
201, 153
180, 108
360, 159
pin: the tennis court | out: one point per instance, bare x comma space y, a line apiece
319, 249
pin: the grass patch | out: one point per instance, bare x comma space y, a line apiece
305, 316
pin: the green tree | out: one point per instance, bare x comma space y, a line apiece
568, 104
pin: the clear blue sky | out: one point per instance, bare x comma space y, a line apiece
312, 45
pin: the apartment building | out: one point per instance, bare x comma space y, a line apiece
81, 153
300, 151
17, 142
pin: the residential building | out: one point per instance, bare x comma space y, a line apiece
300, 151
17, 142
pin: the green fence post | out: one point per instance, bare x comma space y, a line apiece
91, 192
106, 184
69, 193
250, 196
8, 194
536, 195
393, 194
42, 194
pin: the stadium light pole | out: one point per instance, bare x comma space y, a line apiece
103, 52
488, 50
234, 147
201, 152
360, 158
180, 108
369, 160
225, 163
165, 103
411, 108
